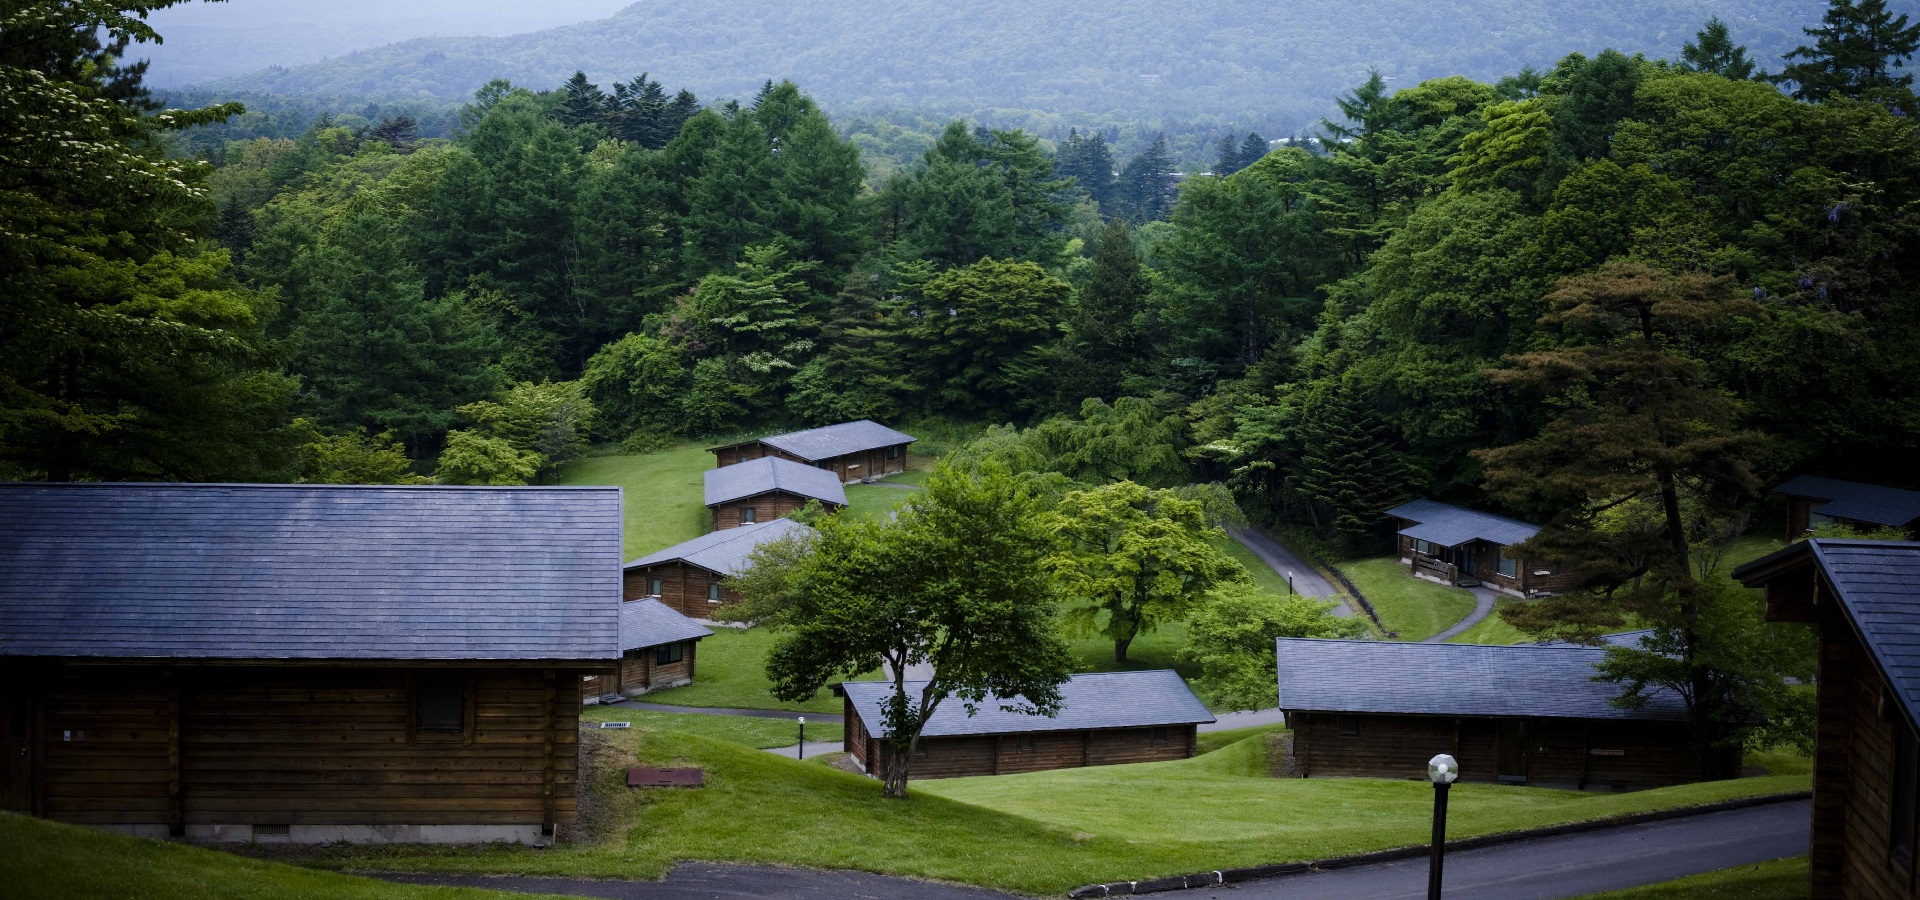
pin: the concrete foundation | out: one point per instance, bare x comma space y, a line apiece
348, 834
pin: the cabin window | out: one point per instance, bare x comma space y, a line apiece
1422, 547
653, 587
1157, 735
895, 452
1906, 791
1509, 566
713, 592
1023, 743
666, 654
1349, 726
824, 464
749, 515
440, 703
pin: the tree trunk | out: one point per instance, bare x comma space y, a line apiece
1120, 649
898, 762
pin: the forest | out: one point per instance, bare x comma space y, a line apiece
1617, 295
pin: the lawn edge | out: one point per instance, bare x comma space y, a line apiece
1274, 870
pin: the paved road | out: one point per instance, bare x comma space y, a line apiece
1484, 601
1306, 579
1231, 720
713, 881
1571, 866
814, 748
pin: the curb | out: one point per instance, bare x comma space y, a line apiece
1252, 873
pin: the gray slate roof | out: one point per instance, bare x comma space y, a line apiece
309, 572
1621, 639
1855, 501
1391, 677
725, 551
1451, 526
650, 623
1878, 583
816, 444
1095, 701
768, 473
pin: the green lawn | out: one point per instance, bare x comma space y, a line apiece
1041, 833
730, 672
752, 731
874, 501
50, 861
1153, 650
664, 493
1781, 879
1492, 629
1414, 608
1210, 741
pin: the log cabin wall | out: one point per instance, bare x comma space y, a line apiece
1005, 754
767, 507
640, 671
684, 588
1605, 754
1799, 517
310, 753
851, 467
1852, 852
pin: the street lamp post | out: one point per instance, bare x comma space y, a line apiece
800, 752
1442, 770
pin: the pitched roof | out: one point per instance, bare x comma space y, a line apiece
1854, 501
1093, 701
816, 444
1878, 584
309, 572
769, 473
1451, 526
1619, 639
1525, 680
650, 623
725, 551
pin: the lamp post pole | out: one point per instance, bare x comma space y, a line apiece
800, 752
1442, 770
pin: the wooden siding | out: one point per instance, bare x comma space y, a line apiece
1003, 754
682, 587
1555, 752
768, 506
862, 466
1486, 569
1853, 773
335, 745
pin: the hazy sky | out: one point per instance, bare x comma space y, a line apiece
215, 40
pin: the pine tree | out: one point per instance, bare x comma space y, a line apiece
1147, 184
1089, 162
584, 103
1347, 466
641, 113
1227, 157
1854, 53
1252, 150
1713, 51
1107, 333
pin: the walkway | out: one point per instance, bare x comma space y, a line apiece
1247, 719
1289, 565
1484, 601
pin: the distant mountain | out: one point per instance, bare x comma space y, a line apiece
1256, 60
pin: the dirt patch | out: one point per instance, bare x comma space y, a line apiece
1280, 755
597, 755
844, 762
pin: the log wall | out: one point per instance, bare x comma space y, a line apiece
1852, 853
768, 506
1556, 752
851, 467
682, 587
1007, 754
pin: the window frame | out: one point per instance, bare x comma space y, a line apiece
668, 654
1348, 724
1508, 566
714, 593
1424, 548
749, 515
1023, 743
458, 686
1160, 734
658, 586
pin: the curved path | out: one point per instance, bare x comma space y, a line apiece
1284, 562
1485, 599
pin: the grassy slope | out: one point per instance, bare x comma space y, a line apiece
749, 730
50, 861
731, 673
664, 493
1040, 833
1781, 879
1492, 630
1415, 608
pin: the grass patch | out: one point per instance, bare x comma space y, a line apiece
755, 732
1780, 879
874, 501
1413, 608
732, 673
1153, 650
1041, 833
52, 861
664, 494
1210, 741
1492, 629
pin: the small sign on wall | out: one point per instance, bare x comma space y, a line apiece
1598, 752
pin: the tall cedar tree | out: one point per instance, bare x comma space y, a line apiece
1148, 185
1855, 51
1347, 467
1107, 331
957, 581
1639, 426
1088, 161
1713, 51
1132, 559
582, 102
982, 336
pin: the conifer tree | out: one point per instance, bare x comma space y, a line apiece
1089, 162
1253, 149
1713, 51
1347, 466
1227, 159
1854, 54
1147, 184
583, 102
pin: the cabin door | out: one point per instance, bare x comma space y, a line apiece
16, 748
1510, 754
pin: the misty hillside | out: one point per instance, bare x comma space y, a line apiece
1275, 61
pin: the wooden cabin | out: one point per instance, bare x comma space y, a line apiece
852, 451
302, 663
1464, 547
691, 577
657, 647
1105, 719
1527, 714
1864, 597
767, 489
1813, 501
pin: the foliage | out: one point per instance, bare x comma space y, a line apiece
1232, 638
982, 329
549, 421
1714, 52
474, 458
1855, 50
352, 457
956, 581
1132, 558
